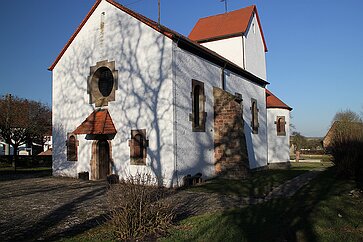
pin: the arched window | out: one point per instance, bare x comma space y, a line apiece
72, 144
138, 147
280, 126
196, 106
198, 115
254, 121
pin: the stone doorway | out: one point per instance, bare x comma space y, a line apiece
101, 159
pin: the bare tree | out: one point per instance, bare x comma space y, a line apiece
23, 120
298, 140
347, 116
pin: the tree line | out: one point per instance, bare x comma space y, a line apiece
23, 121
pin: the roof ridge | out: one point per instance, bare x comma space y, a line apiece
220, 14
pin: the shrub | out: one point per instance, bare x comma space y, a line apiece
137, 208
347, 149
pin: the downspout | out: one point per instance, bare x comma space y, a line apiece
267, 134
223, 78
175, 140
244, 51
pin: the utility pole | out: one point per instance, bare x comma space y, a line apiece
158, 12
225, 4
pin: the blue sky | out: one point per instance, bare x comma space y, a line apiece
314, 62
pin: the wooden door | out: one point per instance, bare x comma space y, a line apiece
104, 159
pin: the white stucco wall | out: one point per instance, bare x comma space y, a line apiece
143, 100
255, 50
195, 150
231, 49
256, 143
278, 146
246, 51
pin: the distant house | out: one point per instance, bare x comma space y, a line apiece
356, 128
131, 95
47, 141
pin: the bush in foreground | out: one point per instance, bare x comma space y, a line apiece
137, 208
347, 148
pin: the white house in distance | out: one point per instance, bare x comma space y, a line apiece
130, 95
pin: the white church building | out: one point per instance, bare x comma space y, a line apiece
131, 95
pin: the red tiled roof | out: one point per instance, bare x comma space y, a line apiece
98, 122
225, 25
273, 102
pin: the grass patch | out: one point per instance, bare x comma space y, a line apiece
259, 183
323, 210
310, 165
322, 158
19, 169
8, 173
98, 234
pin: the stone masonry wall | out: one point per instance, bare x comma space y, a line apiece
230, 149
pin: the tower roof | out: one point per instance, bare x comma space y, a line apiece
225, 25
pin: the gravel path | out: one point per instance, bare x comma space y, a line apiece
48, 208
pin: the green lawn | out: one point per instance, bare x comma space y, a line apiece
323, 158
310, 165
21, 169
321, 211
259, 183
8, 173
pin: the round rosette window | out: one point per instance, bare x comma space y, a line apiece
105, 81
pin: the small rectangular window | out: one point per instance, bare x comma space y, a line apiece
72, 144
280, 125
198, 115
138, 147
254, 113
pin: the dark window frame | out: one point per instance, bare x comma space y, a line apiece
72, 147
280, 126
254, 116
138, 148
198, 115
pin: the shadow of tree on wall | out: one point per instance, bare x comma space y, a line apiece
141, 98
